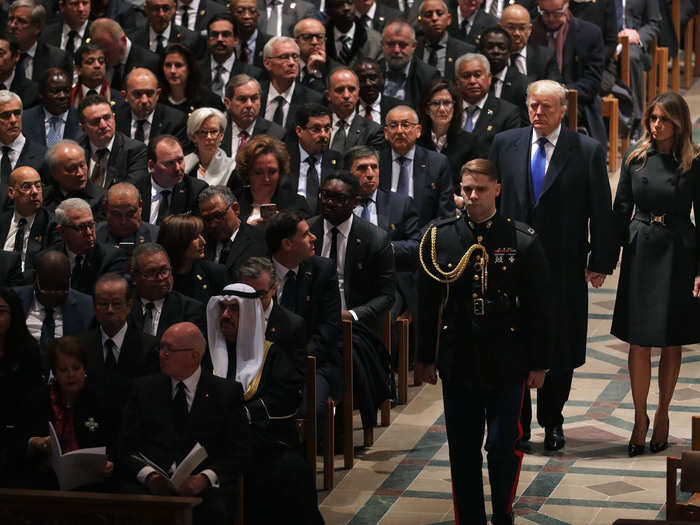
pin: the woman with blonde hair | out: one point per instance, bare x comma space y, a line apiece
206, 128
656, 303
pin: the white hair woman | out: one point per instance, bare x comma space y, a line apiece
205, 128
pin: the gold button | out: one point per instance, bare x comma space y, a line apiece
512, 329
504, 268
476, 277
449, 265
475, 295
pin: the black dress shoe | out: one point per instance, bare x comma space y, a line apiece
658, 446
554, 438
506, 519
635, 450
523, 446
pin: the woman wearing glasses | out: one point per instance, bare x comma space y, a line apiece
205, 128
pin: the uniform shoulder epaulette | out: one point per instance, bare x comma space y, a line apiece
441, 222
522, 227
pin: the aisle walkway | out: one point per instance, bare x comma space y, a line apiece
404, 479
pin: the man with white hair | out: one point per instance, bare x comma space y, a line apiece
88, 259
123, 208
283, 94
16, 149
556, 180
272, 389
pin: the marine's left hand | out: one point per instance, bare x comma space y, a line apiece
535, 378
596, 279
193, 485
696, 286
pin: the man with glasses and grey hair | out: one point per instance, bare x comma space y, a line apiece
88, 258
16, 150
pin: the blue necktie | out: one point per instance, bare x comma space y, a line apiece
619, 8
539, 162
54, 131
402, 186
469, 124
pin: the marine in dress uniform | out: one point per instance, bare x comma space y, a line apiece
484, 324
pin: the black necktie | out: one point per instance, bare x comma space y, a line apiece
244, 52
433, 58
334, 245
148, 324
164, 207
19, 236
180, 412
77, 268
92, 92
345, 50
159, 44
48, 331
117, 72
289, 292
465, 24
70, 43
110, 360
278, 117
5, 166
100, 169
140, 134
365, 208
225, 250
185, 21
312, 184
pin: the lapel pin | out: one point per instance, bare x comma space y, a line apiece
204, 286
489, 128
333, 162
199, 277
449, 59
433, 186
381, 18
201, 12
393, 226
38, 238
273, 329
293, 6
359, 266
206, 395
141, 239
489, 112
509, 83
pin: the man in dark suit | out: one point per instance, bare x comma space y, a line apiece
26, 22
251, 40
376, 15
121, 54
309, 288
220, 62
413, 170
229, 241
315, 64
533, 61
114, 157
373, 104
484, 114
195, 14
27, 229
157, 305
88, 258
69, 32
437, 47
349, 128
243, 103
126, 14
405, 74
347, 38
27, 90
469, 20
117, 353
548, 173
166, 190
92, 76
66, 161
142, 117
286, 14
54, 119
581, 59
11, 269
155, 424
365, 265
161, 31
123, 208
15, 148
50, 298
309, 157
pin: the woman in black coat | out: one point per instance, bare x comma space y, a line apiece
660, 277
193, 276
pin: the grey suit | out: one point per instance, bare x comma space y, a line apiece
290, 15
362, 132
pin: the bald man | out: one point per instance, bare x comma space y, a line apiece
533, 61
142, 117
155, 424
124, 226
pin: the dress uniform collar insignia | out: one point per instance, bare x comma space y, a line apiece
489, 112
141, 239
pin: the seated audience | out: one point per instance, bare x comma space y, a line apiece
376, 14
251, 40
315, 64
92, 76
469, 20
16, 149
373, 104
124, 224
193, 276
348, 38
25, 88
155, 424
272, 392
70, 31
205, 128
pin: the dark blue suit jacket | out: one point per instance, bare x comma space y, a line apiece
397, 215
78, 311
34, 126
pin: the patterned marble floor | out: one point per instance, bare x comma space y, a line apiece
404, 478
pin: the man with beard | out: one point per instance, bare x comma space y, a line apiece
54, 119
373, 104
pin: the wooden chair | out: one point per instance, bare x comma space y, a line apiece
572, 103
403, 325
676, 63
657, 79
385, 332
610, 111
696, 42
307, 425
688, 57
689, 511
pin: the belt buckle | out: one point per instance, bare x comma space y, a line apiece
479, 308
659, 219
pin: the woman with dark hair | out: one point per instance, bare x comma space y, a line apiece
262, 164
441, 118
69, 404
193, 276
656, 303
181, 81
20, 373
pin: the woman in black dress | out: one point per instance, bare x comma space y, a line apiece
193, 276
659, 278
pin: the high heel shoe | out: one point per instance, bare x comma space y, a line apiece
658, 446
636, 450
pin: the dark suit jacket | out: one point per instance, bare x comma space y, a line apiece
286, 200
461, 147
497, 115
433, 186
178, 34
575, 200
541, 63
300, 95
238, 68
397, 215
32, 155
127, 160
383, 15
11, 269
42, 236
482, 21
292, 12
47, 56
103, 258
138, 57
368, 268
249, 242
146, 233
27, 89
366, 43
205, 280
260, 42
207, 10
182, 200
215, 421
176, 309
166, 120
604, 15
34, 127
78, 311
262, 127
386, 104
331, 160
513, 91
126, 14
455, 49
92, 194
288, 330
420, 75
52, 33
364, 132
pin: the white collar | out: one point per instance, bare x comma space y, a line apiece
343, 228
126, 54
190, 382
32, 50
118, 338
108, 147
410, 154
339, 35
281, 270
287, 95
18, 143
228, 63
479, 104
158, 187
153, 36
552, 137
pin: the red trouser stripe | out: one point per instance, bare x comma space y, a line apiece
518, 454
454, 495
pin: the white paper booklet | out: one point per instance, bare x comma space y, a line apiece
79, 467
183, 470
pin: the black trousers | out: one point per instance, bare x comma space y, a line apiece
551, 399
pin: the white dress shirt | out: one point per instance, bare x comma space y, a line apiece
147, 125
12, 232
118, 340
77, 42
28, 62
375, 109
35, 318
499, 8
236, 138
477, 113
341, 246
271, 106
470, 20
277, 7
158, 308
15, 149
441, 53
396, 169
220, 247
340, 36
191, 14
226, 73
93, 155
304, 170
153, 37
497, 81
372, 207
281, 272
520, 61
552, 139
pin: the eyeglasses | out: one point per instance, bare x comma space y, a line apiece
168, 351
52, 293
158, 273
206, 133
5, 115
340, 198
217, 215
408, 126
83, 228
553, 12
26, 187
287, 56
129, 214
318, 129
309, 37
437, 104
104, 305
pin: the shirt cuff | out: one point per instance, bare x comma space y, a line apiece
212, 477
354, 315
144, 473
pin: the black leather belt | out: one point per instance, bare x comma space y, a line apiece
662, 219
502, 304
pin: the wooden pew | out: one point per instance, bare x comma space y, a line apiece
307, 424
689, 511
572, 103
610, 110
385, 333
403, 325
688, 46
676, 63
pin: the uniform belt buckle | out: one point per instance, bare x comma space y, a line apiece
659, 219
479, 308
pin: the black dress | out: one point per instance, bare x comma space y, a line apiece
460, 148
655, 305
205, 280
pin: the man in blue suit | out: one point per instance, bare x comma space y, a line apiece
52, 307
556, 180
